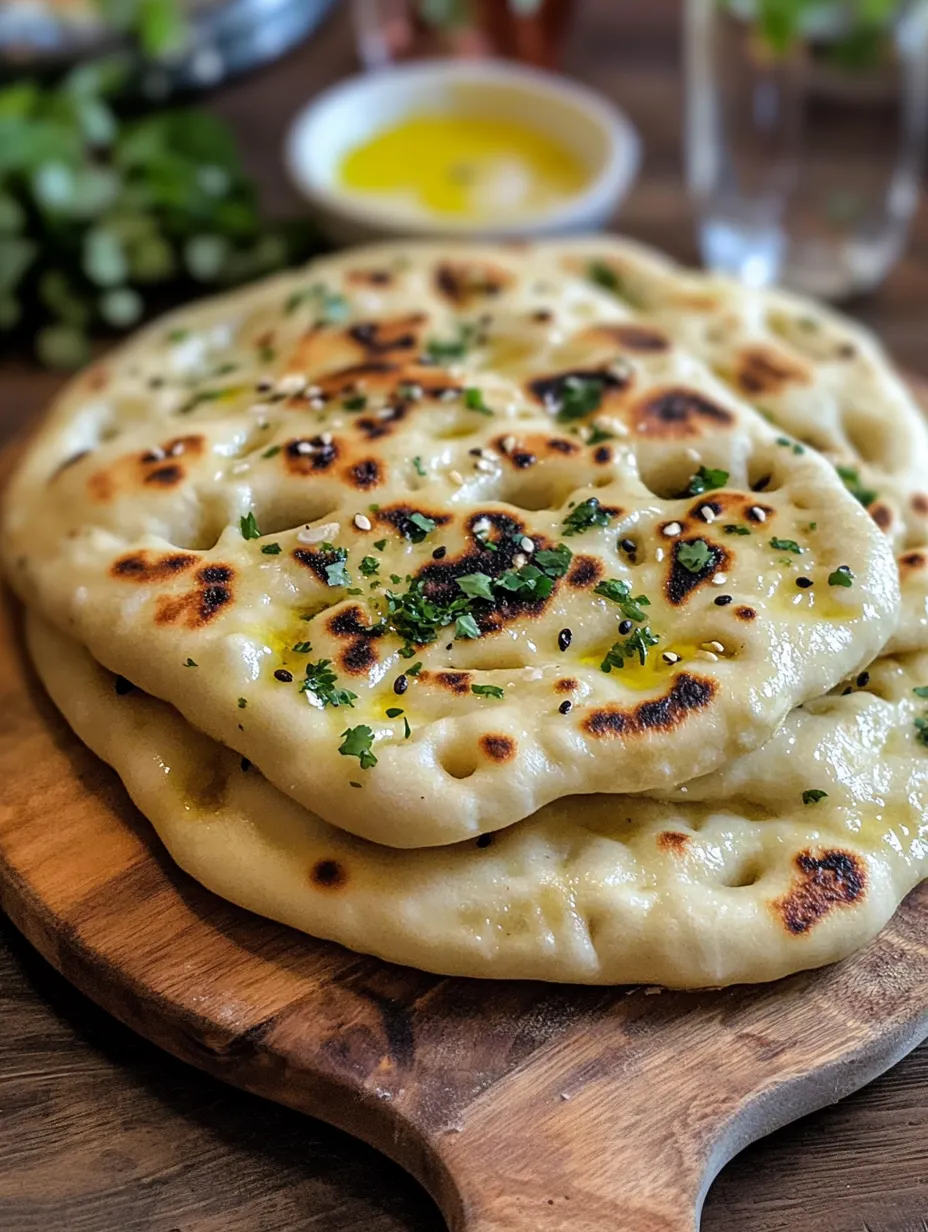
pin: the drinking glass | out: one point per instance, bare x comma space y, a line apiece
804, 137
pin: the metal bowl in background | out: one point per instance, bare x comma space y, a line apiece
227, 37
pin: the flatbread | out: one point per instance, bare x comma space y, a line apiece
744, 882
551, 418
822, 377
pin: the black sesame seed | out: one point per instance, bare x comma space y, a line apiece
863, 680
564, 639
564, 707
439, 554
484, 840
400, 685
844, 692
283, 675
246, 764
803, 583
629, 546
625, 626
722, 600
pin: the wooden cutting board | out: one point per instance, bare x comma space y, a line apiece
521, 1107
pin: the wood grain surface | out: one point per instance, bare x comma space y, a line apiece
102, 1132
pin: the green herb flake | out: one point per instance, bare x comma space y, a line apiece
322, 683
394, 712
634, 647
487, 690
577, 397
786, 545
355, 403
842, 576
620, 592
242, 703
407, 730
852, 481
554, 561
380, 544
602, 275
587, 514
249, 527
418, 467
301, 647
191, 663
466, 627
358, 742
473, 400
417, 526
272, 452
369, 566
706, 480
598, 435
694, 556
271, 549
439, 351
414, 670
477, 585
336, 574
732, 529
813, 795
921, 691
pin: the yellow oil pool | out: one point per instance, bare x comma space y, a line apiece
464, 166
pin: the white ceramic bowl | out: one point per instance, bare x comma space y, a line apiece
334, 123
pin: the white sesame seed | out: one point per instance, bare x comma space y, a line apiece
156, 454
715, 646
669, 657
707, 655
313, 391
291, 383
326, 438
316, 404
319, 534
260, 408
176, 449
447, 395
456, 477
707, 513
519, 560
304, 447
659, 555
362, 522
719, 579
692, 454
757, 513
671, 529
240, 468
385, 412
483, 465
481, 526
508, 444
526, 544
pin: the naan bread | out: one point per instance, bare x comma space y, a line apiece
276, 489
743, 882
823, 378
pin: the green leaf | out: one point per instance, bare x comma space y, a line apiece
554, 561
271, 549
634, 647
921, 691
694, 556
852, 481
620, 592
358, 742
62, 346
842, 576
322, 683
465, 626
786, 545
731, 529
813, 795
587, 514
473, 400
336, 573
578, 396
418, 467
369, 566
477, 585
487, 690
249, 526
603, 276
706, 480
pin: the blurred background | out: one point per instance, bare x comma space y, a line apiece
156, 150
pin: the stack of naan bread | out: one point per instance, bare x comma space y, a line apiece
543, 611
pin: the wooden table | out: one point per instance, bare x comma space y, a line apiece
100, 1132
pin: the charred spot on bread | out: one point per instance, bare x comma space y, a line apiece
823, 881
147, 567
328, 875
762, 370
676, 413
687, 695
498, 747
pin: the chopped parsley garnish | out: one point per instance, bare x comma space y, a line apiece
530, 582
322, 683
417, 464
706, 480
407, 730
380, 544
577, 397
191, 663
842, 576
249, 527
369, 566
272, 452
271, 549
694, 556
554, 561
732, 529
331, 307
473, 400
465, 626
301, 647
414, 670
620, 592
921, 731
487, 690
336, 570
786, 545
177, 335
358, 742
921, 691
355, 403
786, 443
634, 647
598, 435
587, 514
206, 395
438, 351
394, 712
242, 703
418, 619
604, 276
852, 481
813, 795
417, 526
477, 585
